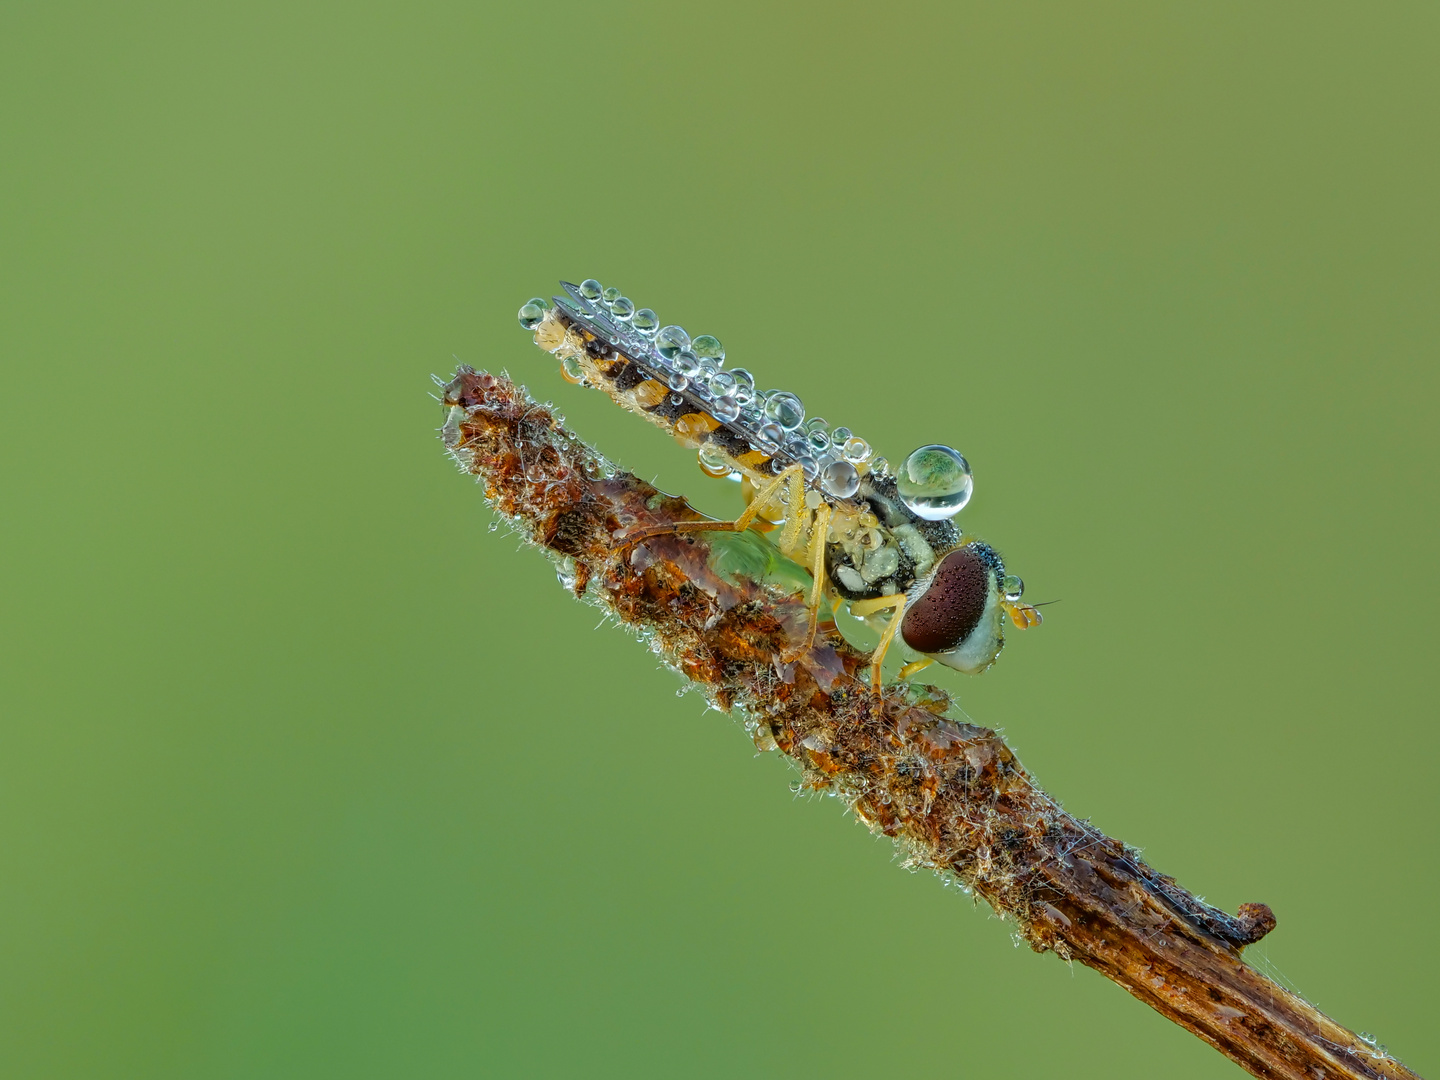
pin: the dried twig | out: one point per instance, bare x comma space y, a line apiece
723, 609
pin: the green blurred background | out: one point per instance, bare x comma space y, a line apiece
305, 772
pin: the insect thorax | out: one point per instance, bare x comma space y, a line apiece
890, 556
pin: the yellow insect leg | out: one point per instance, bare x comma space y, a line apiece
797, 515
861, 608
818, 532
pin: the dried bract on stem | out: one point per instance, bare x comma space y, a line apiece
725, 610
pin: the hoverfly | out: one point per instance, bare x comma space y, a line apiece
881, 539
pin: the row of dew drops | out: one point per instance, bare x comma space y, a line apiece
773, 419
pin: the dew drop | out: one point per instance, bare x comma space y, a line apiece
771, 434
818, 432
713, 461
591, 289
622, 308
935, 482
744, 385
725, 410
645, 321
671, 342
785, 409
532, 312
880, 467
708, 347
571, 370
1013, 588
840, 479
677, 383
610, 295
565, 572
722, 384
686, 364
856, 450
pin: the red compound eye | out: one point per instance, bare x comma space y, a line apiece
951, 608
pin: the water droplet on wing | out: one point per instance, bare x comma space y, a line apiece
785, 409
708, 347
671, 342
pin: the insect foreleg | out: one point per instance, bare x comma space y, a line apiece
797, 514
818, 532
861, 608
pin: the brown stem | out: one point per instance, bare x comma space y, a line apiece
951, 794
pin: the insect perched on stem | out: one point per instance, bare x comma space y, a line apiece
878, 538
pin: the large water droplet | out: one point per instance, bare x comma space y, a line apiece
785, 409
671, 342
840, 479
610, 295
591, 289
687, 365
707, 346
622, 308
935, 482
532, 312
646, 321
770, 434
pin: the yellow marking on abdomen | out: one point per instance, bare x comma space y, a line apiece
692, 428
649, 393
753, 459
